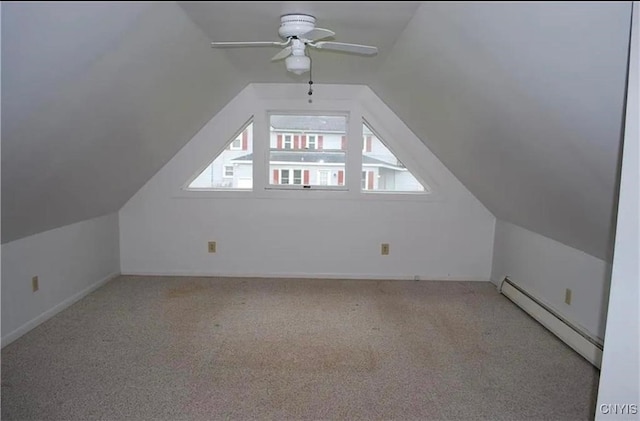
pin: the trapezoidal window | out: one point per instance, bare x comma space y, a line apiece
307, 151
232, 169
381, 170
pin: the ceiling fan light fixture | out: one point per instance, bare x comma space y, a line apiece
300, 32
298, 64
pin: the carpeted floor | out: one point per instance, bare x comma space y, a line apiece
168, 348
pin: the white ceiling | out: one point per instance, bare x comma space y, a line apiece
521, 101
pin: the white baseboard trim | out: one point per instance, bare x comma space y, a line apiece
572, 334
356, 276
10, 337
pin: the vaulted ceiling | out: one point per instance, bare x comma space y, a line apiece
523, 102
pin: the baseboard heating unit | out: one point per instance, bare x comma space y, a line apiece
583, 343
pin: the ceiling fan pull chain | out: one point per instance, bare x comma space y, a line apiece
310, 82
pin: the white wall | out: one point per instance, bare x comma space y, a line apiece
0, 159
266, 232
70, 262
620, 376
545, 268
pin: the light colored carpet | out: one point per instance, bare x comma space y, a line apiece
168, 348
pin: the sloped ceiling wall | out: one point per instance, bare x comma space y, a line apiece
521, 101
524, 103
96, 97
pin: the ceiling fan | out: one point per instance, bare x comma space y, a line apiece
299, 31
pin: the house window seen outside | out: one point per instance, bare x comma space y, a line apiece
312, 147
311, 142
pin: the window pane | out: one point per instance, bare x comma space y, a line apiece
297, 176
381, 170
232, 168
312, 147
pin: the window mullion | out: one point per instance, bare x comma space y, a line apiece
354, 154
260, 148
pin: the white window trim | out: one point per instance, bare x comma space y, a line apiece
375, 134
411, 155
302, 185
224, 171
194, 192
293, 176
284, 142
366, 179
290, 176
315, 142
269, 164
328, 178
281, 172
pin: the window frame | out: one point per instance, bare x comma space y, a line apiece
239, 147
281, 172
315, 142
412, 153
224, 171
365, 191
287, 138
344, 187
186, 191
364, 143
293, 177
326, 173
370, 175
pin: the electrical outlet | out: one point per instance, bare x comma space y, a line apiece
34, 284
212, 246
567, 296
384, 250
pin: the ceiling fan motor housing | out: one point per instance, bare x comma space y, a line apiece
296, 25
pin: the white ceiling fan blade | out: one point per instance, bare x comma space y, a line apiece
317, 34
248, 44
282, 54
348, 48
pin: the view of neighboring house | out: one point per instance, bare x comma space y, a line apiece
381, 170
224, 172
307, 151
